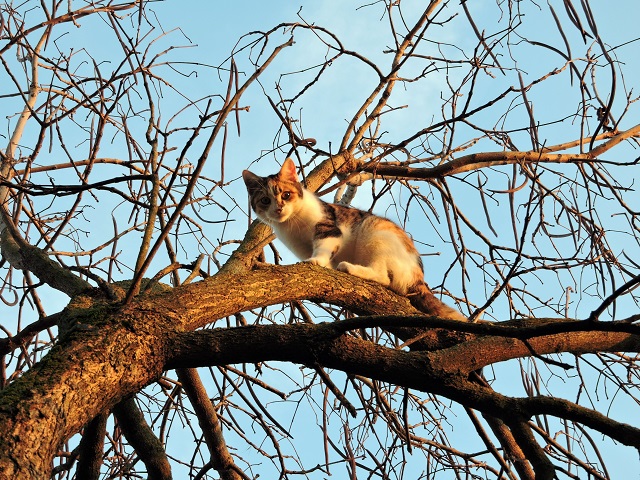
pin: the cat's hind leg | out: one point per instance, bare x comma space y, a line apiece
376, 272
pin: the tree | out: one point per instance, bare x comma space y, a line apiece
138, 314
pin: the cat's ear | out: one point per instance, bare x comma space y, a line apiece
288, 171
251, 180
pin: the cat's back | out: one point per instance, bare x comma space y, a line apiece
343, 216
365, 230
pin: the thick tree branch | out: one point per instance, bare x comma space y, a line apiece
324, 344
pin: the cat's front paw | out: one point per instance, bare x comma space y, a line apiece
323, 262
345, 267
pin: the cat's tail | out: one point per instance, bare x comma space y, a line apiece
421, 297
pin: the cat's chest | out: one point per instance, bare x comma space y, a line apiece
298, 237
298, 232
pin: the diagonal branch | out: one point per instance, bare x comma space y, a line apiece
141, 437
511, 448
21, 255
91, 448
209, 422
542, 465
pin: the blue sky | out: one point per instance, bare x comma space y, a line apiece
208, 31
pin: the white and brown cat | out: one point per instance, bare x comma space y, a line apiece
343, 238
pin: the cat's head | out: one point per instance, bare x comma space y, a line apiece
275, 198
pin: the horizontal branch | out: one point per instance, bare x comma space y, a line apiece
234, 291
327, 345
129, 164
484, 351
476, 161
523, 329
62, 190
473, 161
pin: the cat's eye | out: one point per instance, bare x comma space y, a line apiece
265, 201
286, 195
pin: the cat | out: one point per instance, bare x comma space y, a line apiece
341, 237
